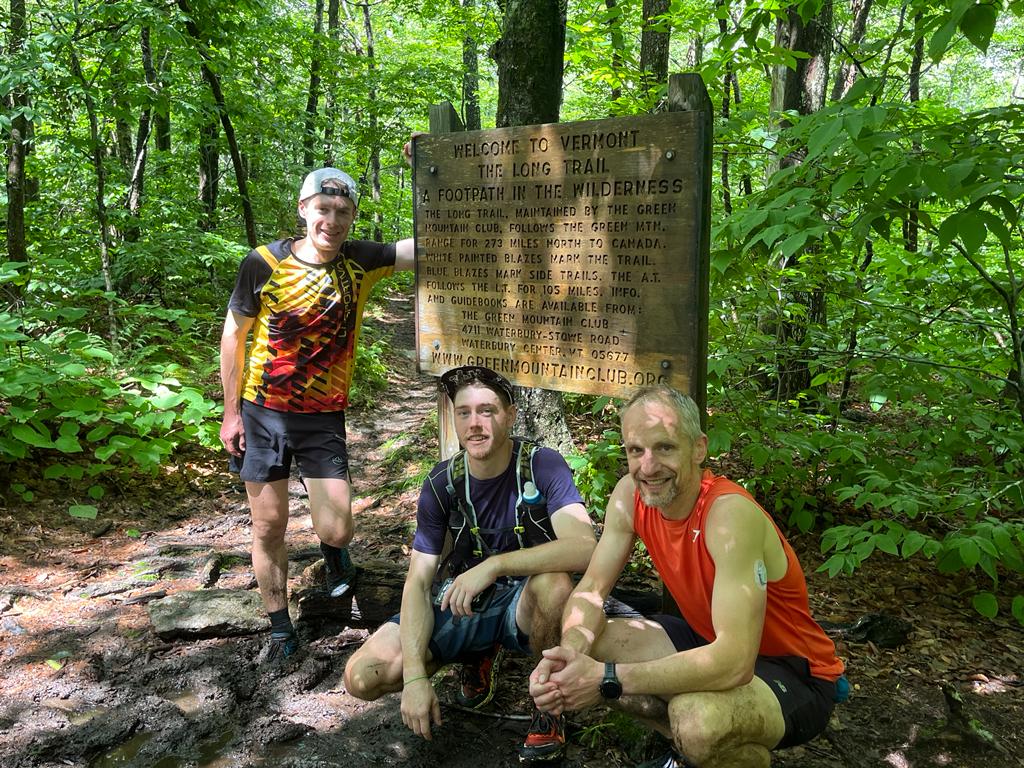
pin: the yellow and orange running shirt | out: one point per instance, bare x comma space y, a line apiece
308, 318
679, 553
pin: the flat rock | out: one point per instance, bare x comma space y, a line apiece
208, 613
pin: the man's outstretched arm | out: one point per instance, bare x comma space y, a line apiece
419, 702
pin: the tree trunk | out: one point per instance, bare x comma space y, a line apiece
313, 99
371, 65
16, 246
529, 56
470, 75
329, 100
846, 73
225, 119
97, 151
162, 118
209, 172
138, 174
618, 46
654, 42
802, 90
911, 225
727, 79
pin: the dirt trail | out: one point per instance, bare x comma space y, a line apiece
87, 683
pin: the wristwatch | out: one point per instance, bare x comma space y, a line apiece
611, 688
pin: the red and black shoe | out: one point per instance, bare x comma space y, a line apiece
478, 679
545, 740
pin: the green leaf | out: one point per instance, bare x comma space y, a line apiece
27, 434
85, 511
912, 544
985, 603
97, 492
68, 444
1017, 608
969, 552
978, 23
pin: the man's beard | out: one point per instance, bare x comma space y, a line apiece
661, 498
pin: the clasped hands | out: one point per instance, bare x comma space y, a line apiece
566, 680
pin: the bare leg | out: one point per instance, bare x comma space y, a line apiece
728, 729
376, 668
330, 507
632, 640
539, 613
268, 503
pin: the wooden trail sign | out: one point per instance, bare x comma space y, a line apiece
568, 256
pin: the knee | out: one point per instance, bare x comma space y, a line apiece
549, 592
270, 530
697, 729
358, 682
333, 525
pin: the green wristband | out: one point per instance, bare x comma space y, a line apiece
414, 679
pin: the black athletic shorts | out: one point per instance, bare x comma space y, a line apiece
273, 438
806, 701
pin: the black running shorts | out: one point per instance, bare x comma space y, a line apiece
806, 701
273, 438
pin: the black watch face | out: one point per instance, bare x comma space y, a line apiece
611, 689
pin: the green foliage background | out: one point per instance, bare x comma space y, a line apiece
906, 444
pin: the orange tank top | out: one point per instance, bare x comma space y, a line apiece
679, 552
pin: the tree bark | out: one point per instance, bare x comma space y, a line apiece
16, 245
911, 225
654, 43
97, 151
329, 99
371, 65
470, 74
801, 90
313, 99
138, 173
846, 72
618, 46
225, 119
209, 172
529, 56
162, 118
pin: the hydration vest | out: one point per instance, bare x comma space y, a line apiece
532, 523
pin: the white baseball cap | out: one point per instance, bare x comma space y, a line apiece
314, 183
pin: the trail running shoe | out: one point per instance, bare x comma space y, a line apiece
341, 573
670, 759
545, 740
478, 679
278, 650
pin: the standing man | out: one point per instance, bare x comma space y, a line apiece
746, 669
303, 298
512, 555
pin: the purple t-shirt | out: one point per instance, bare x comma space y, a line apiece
494, 500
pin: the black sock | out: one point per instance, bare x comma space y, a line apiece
280, 623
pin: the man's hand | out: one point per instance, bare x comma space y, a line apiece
232, 434
576, 676
420, 706
407, 148
466, 586
545, 693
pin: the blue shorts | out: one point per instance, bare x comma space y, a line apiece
457, 637
273, 438
806, 701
